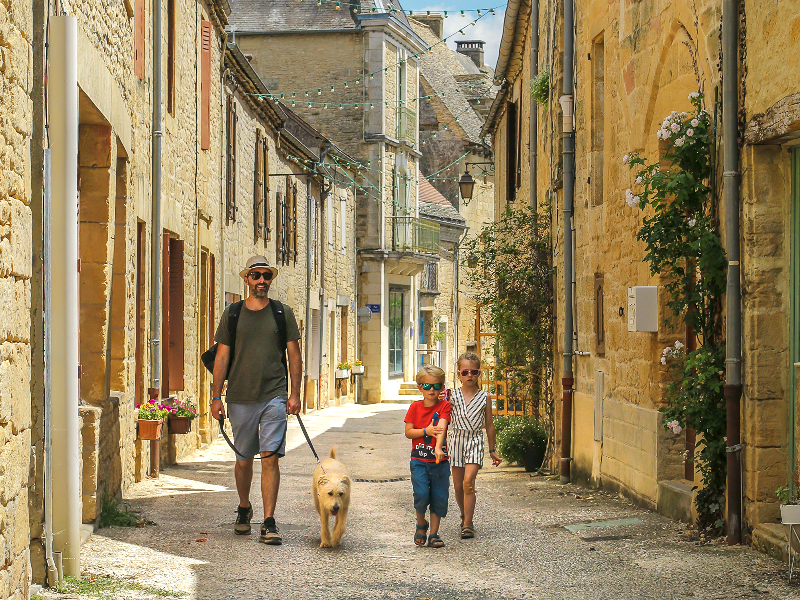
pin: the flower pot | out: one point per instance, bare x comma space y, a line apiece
180, 425
532, 459
357, 369
790, 516
342, 373
150, 430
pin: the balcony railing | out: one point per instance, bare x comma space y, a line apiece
407, 125
414, 235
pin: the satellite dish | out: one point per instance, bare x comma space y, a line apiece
364, 314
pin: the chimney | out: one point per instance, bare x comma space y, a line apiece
473, 49
433, 20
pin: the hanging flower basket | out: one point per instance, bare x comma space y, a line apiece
357, 369
342, 373
150, 430
179, 425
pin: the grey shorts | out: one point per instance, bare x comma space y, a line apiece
259, 427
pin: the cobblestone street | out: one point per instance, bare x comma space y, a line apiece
522, 548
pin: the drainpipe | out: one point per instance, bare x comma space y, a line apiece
323, 308
733, 333
534, 142
566, 100
309, 250
155, 233
63, 282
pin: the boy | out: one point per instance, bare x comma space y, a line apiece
430, 469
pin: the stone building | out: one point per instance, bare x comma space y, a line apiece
360, 95
634, 64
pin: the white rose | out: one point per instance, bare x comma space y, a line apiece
633, 202
675, 127
625, 159
678, 345
690, 132
639, 180
637, 199
692, 222
679, 142
663, 360
694, 95
695, 122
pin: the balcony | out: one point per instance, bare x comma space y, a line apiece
406, 125
410, 234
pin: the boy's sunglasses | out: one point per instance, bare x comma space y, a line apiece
436, 386
466, 372
256, 275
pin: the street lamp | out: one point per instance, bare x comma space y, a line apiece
466, 184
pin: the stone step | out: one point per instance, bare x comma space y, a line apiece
407, 392
400, 400
409, 385
770, 538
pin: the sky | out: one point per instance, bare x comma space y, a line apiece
488, 29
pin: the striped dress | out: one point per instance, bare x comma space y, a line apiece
465, 433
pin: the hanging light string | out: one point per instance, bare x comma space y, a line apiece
297, 96
356, 7
456, 117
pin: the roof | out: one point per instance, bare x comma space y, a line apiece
283, 16
435, 207
447, 72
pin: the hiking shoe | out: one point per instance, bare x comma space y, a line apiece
269, 533
243, 516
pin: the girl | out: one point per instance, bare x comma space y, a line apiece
471, 412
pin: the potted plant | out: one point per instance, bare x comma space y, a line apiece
181, 415
357, 368
522, 440
790, 513
151, 415
343, 371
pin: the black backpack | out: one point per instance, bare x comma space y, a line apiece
209, 356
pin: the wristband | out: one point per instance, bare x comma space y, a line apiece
491, 451
216, 398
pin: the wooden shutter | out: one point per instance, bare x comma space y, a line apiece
294, 222
511, 151
205, 84
176, 315
231, 163
212, 299
265, 170
138, 39
171, 56
165, 328
258, 191
279, 227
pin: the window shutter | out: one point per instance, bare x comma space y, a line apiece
171, 56
176, 314
165, 324
294, 222
329, 220
258, 191
265, 171
343, 220
231, 174
205, 84
212, 299
511, 151
138, 39
312, 233
279, 227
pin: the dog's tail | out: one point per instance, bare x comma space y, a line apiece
333, 452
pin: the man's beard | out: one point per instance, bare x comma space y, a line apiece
260, 292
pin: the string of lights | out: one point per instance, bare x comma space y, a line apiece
356, 7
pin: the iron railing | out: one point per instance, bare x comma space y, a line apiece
410, 234
430, 278
407, 125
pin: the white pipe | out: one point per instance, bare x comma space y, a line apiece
63, 95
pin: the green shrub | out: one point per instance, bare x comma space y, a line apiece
540, 88
518, 435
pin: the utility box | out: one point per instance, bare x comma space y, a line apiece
643, 308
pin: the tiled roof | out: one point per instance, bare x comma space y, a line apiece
434, 206
445, 70
429, 194
274, 16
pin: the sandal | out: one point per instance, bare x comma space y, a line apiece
434, 541
467, 532
419, 538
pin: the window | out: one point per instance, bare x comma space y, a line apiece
230, 189
511, 151
258, 190
172, 332
171, 56
430, 277
599, 315
138, 39
286, 224
343, 335
401, 99
395, 333
205, 84
598, 121
329, 221
343, 223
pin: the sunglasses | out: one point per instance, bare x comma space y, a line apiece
436, 386
256, 275
466, 372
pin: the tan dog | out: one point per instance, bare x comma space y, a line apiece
331, 491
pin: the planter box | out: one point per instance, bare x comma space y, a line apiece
180, 425
150, 430
342, 373
357, 370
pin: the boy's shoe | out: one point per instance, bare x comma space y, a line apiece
243, 517
269, 533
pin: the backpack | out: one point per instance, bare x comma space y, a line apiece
209, 356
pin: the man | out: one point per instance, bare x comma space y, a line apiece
257, 394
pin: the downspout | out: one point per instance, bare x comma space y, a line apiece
323, 309
309, 250
155, 232
733, 333
222, 175
566, 100
534, 142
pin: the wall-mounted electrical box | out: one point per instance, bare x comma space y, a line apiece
643, 308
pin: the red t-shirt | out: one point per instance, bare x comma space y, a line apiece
420, 416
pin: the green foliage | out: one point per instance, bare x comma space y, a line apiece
681, 234
184, 408
508, 265
540, 88
519, 435
115, 514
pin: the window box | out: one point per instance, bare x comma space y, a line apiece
179, 425
357, 369
342, 373
150, 430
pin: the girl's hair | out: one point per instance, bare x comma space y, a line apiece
430, 371
469, 357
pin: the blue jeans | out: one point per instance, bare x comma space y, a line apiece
431, 483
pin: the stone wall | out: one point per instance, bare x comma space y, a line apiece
15, 299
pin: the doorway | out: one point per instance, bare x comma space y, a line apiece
396, 333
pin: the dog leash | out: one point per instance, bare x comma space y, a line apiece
274, 452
